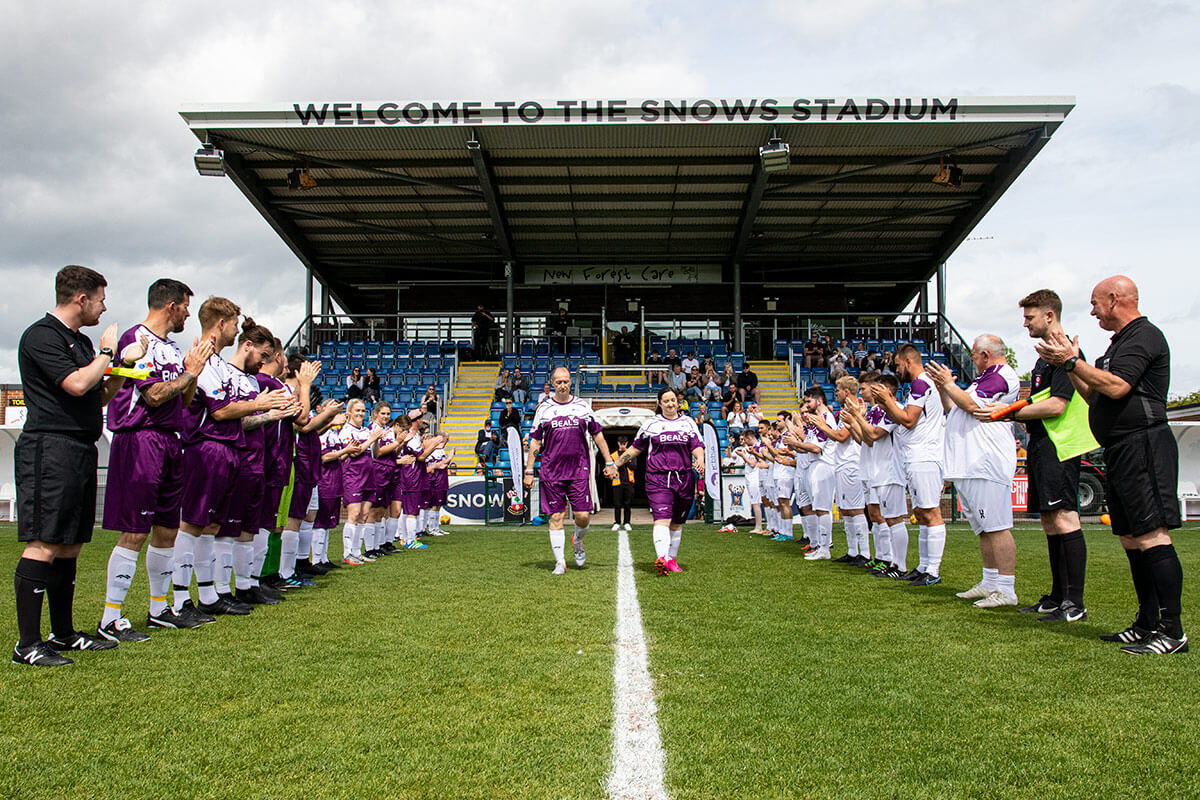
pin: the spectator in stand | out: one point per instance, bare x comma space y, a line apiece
656, 377
814, 352
829, 348
702, 416
837, 365
693, 385
747, 384
712, 385
870, 362
860, 355
510, 417
487, 446
557, 326
887, 364
623, 346
672, 359
847, 352
481, 332
355, 384
728, 376
677, 380
736, 419
706, 363
372, 388
520, 387
429, 408
689, 362
547, 393
753, 417
503, 386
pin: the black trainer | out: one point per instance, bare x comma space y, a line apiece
39, 654
271, 591
255, 596
79, 641
225, 605
912, 574
846, 559
1131, 635
167, 618
926, 580
317, 570
893, 571
329, 565
1043, 606
1067, 612
1158, 643
121, 630
189, 611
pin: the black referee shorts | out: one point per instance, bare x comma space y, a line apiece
56, 488
1143, 477
1053, 484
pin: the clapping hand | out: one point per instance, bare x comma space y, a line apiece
134, 351
197, 357
1057, 348
940, 374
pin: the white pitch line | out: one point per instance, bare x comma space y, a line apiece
637, 757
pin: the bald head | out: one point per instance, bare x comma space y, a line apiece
1115, 302
990, 344
561, 378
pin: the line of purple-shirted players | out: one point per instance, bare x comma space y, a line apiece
204, 448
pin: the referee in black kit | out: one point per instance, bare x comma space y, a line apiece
1127, 396
55, 462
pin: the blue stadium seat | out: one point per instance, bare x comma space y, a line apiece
326, 351
781, 348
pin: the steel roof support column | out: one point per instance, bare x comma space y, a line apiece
942, 332
739, 335
306, 342
509, 269
491, 198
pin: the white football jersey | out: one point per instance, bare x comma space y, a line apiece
985, 450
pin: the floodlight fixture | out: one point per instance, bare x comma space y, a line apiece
300, 179
775, 155
210, 161
949, 174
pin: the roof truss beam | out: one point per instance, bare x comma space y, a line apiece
491, 198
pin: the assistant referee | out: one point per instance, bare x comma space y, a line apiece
55, 462
1126, 392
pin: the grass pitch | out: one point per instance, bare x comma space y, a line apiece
467, 670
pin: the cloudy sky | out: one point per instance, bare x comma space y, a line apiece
95, 163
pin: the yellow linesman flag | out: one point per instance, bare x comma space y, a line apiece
1070, 432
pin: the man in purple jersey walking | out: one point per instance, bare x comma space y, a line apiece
561, 426
145, 464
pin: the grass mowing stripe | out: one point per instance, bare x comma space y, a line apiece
637, 772
447, 673
778, 677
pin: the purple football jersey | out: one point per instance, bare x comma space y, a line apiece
128, 409
563, 430
278, 437
214, 390
668, 443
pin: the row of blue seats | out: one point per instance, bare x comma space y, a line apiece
420, 347
380, 363
869, 345
527, 361
683, 346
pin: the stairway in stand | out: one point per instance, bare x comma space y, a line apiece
776, 389
471, 404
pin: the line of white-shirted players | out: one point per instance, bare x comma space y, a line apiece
876, 448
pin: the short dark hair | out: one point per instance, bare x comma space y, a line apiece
907, 352
815, 391
1043, 298
74, 280
167, 290
889, 380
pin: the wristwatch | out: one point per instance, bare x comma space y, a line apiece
1069, 364
107, 351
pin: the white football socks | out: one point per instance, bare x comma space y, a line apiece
863, 534
850, 528
410, 530
206, 567
558, 544
289, 549
676, 537
320, 545
122, 563
159, 564
181, 574
356, 540
1006, 583
825, 523
662, 541
934, 549
347, 539
242, 557
900, 546
259, 544
991, 578
883, 542
922, 548
391, 526
305, 540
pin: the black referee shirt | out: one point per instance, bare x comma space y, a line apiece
1139, 355
50, 351
1046, 374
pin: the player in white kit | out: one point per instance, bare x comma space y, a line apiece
850, 495
822, 483
921, 436
981, 459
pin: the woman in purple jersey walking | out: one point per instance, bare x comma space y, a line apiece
675, 453
380, 530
